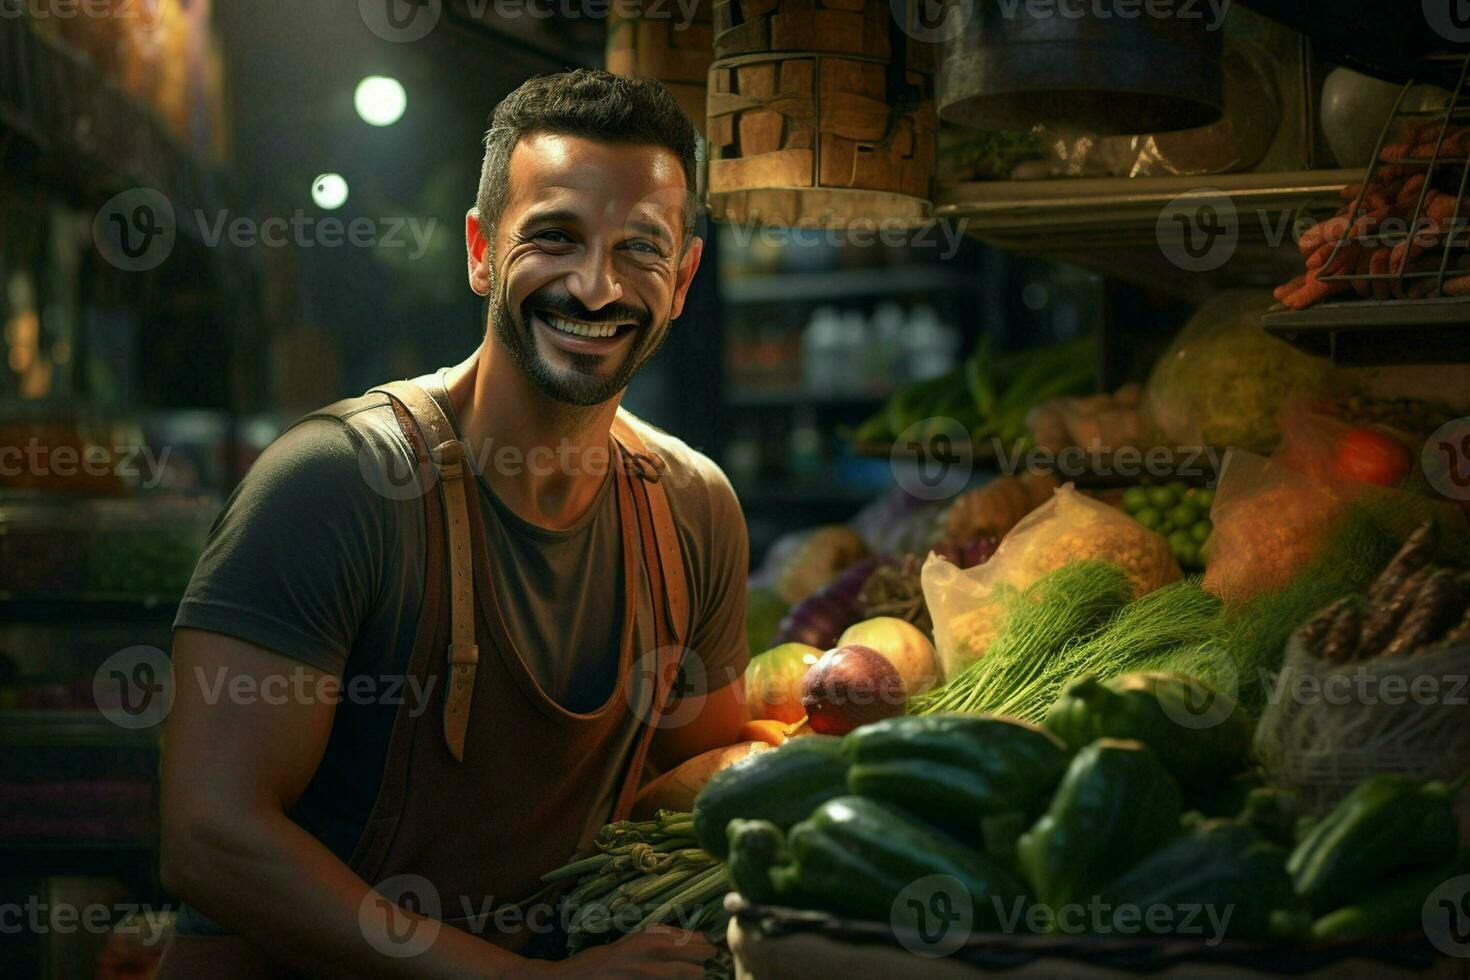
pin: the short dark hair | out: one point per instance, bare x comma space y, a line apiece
590, 103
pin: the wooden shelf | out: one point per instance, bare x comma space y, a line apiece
1368, 332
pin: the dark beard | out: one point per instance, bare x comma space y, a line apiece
577, 386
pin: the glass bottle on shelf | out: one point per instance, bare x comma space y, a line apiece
930, 344
804, 445
821, 350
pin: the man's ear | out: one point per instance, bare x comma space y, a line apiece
688, 266
478, 253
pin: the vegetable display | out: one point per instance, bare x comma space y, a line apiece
781, 786
1389, 824
643, 873
955, 768
1197, 732
857, 856
1115, 804
1411, 608
989, 395
1181, 514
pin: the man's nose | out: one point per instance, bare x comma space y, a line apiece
594, 282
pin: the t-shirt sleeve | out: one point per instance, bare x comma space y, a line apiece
294, 562
718, 634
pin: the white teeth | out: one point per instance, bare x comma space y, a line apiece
578, 328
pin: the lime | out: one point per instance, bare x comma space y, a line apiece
1205, 497
1184, 514
1135, 499
1201, 531
1177, 487
1161, 497
1149, 517
1181, 543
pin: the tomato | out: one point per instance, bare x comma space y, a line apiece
1369, 456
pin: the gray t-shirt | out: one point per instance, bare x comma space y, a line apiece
312, 559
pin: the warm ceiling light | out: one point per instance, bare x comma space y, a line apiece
381, 101
329, 191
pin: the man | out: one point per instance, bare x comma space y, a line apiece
502, 625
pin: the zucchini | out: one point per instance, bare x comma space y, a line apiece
782, 786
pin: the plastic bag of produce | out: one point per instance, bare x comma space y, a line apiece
1269, 520
1224, 380
968, 605
1271, 516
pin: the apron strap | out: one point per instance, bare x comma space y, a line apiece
651, 468
448, 458
663, 559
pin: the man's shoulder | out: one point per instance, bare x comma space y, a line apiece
699, 492
685, 466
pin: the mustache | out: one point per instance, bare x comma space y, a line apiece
566, 305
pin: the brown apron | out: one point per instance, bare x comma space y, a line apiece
494, 785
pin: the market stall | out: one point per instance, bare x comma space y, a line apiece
1095, 392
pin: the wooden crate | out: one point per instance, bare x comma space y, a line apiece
662, 46
858, 27
810, 139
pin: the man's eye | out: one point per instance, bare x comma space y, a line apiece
645, 246
554, 236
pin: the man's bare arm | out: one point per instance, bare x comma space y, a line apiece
699, 723
232, 770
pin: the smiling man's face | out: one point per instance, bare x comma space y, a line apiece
591, 262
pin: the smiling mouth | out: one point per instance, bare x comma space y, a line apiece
582, 328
